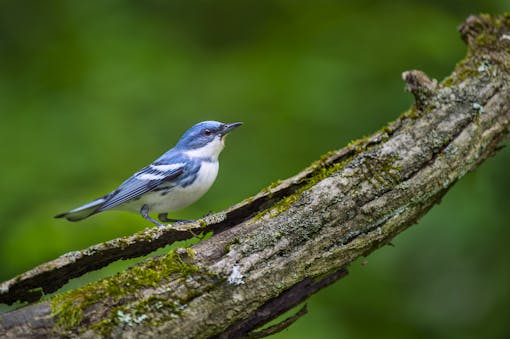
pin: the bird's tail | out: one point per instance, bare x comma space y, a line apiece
82, 212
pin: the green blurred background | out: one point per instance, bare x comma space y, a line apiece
91, 91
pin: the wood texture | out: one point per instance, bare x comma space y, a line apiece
269, 253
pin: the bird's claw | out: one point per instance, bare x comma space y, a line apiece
163, 217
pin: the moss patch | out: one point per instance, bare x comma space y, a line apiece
319, 174
322, 170
132, 314
68, 308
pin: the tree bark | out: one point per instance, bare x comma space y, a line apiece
270, 252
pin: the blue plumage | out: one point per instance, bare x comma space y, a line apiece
173, 181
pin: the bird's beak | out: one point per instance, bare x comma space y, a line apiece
228, 127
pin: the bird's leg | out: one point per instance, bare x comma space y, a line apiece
163, 217
145, 213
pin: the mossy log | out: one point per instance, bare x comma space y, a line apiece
270, 252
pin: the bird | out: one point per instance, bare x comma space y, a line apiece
175, 180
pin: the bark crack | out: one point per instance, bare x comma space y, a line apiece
270, 252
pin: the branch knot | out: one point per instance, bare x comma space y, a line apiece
420, 85
486, 32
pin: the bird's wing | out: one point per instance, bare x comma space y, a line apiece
142, 182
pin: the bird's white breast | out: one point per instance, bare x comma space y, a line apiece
180, 197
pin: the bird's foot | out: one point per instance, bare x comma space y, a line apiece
163, 217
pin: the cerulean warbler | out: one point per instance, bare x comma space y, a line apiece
175, 180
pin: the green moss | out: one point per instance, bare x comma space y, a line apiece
485, 39
226, 249
488, 37
283, 204
430, 108
68, 307
464, 69
488, 26
462, 72
412, 113
322, 170
388, 130
247, 200
204, 236
274, 185
448, 82
269, 189
381, 171
104, 327
318, 175
137, 313
358, 144
323, 159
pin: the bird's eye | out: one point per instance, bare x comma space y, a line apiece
207, 132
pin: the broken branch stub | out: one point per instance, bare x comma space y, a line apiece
344, 206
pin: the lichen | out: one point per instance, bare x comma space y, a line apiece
381, 171
486, 39
322, 170
323, 159
137, 313
463, 70
319, 174
235, 277
412, 113
273, 185
478, 108
68, 307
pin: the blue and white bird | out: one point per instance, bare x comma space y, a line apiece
175, 180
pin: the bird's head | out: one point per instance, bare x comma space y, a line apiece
205, 139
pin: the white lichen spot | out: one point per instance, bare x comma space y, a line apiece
71, 256
451, 150
478, 107
387, 148
215, 218
124, 318
235, 278
505, 37
348, 172
343, 181
482, 68
446, 183
140, 318
129, 319
238, 297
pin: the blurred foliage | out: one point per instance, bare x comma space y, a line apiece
91, 91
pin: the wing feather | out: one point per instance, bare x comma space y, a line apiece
140, 183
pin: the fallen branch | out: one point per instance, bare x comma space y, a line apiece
271, 252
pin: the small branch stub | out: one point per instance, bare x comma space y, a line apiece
420, 85
344, 206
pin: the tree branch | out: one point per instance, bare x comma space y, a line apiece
271, 252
